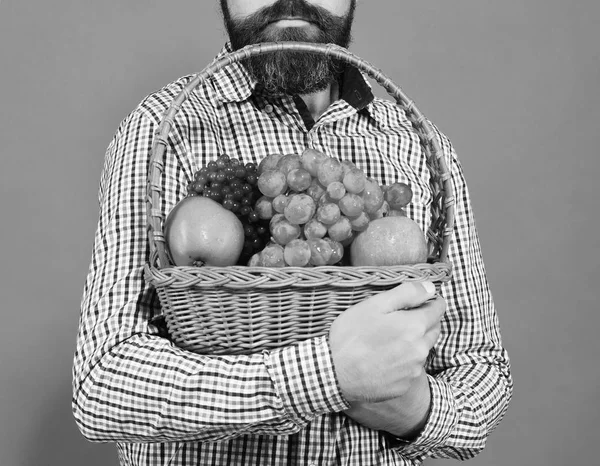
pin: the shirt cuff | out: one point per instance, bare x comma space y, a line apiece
305, 379
440, 424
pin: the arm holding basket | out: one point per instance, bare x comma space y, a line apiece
468, 384
130, 385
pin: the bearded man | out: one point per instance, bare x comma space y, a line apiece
364, 394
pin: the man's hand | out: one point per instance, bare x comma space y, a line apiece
379, 346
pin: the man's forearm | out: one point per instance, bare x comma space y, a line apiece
403, 416
146, 390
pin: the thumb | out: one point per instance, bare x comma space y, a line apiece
408, 295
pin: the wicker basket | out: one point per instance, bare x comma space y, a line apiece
237, 309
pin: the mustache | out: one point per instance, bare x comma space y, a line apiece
300, 9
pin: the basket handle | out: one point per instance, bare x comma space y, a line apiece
442, 209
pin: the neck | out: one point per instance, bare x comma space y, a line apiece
320, 101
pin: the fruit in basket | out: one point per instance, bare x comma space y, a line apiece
398, 195
297, 253
233, 184
272, 183
199, 230
315, 207
389, 241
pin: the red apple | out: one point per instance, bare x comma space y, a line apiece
199, 229
389, 241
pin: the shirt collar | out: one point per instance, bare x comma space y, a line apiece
234, 84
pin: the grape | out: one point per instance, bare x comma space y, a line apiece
325, 199
396, 213
300, 208
264, 208
283, 231
337, 251
315, 190
354, 181
348, 241
240, 172
197, 187
276, 218
256, 260
381, 212
336, 190
268, 163
249, 230
257, 244
320, 251
288, 162
252, 178
372, 196
398, 195
279, 203
351, 205
272, 183
253, 217
330, 170
314, 229
340, 230
311, 159
361, 222
328, 213
299, 179
297, 253
272, 255
223, 161
347, 165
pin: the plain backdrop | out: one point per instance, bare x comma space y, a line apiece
512, 83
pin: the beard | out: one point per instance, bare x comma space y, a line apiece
287, 72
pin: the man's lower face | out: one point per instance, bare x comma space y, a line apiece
293, 73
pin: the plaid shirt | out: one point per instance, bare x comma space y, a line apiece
163, 405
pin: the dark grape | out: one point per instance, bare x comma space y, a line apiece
198, 187
261, 230
253, 217
238, 194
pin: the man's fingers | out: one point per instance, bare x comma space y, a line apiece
405, 296
432, 335
433, 311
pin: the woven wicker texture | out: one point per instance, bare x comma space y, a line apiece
234, 310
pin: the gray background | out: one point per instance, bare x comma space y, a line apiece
514, 85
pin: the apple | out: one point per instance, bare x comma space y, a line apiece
389, 241
199, 229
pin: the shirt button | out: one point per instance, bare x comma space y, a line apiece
268, 108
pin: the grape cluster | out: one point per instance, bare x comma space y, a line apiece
315, 205
234, 185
